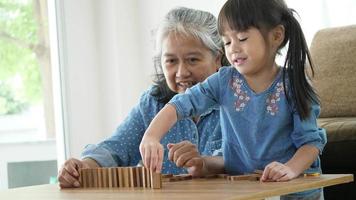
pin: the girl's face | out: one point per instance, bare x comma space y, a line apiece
248, 51
186, 61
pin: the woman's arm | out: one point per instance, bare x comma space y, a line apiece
68, 175
206, 165
185, 154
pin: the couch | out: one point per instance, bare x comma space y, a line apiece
333, 51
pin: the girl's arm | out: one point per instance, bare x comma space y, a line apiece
309, 138
303, 158
150, 148
301, 161
193, 102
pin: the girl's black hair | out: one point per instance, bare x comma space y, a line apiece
264, 15
160, 88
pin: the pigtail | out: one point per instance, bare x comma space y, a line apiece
303, 94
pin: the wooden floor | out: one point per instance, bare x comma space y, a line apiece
204, 189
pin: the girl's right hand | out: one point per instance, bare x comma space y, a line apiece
68, 175
152, 154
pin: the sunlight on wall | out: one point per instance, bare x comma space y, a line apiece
319, 14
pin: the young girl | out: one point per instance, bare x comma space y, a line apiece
268, 113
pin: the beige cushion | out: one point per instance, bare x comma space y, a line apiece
339, 129
334, 54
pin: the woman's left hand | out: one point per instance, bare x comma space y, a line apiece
186, 154
277, 171
182, 152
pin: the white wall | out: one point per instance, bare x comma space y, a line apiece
319, 14
151, 13
99, 58
106, 50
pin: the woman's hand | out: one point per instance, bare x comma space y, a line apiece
152, 154
186, 154
68, 175
277, 171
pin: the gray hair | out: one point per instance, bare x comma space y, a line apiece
190, 22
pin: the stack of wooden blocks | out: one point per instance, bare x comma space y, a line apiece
119, 177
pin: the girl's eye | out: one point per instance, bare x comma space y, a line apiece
243, 39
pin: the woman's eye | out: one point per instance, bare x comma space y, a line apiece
170, 61
193, 60
227, 43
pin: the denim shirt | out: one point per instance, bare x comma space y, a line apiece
257, 128
122, 148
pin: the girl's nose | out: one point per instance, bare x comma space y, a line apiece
182, 70
235, 47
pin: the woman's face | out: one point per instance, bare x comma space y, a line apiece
186, 61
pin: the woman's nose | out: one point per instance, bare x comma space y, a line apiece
182, 70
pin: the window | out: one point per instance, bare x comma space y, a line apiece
26, 94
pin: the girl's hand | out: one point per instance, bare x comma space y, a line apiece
68, 175
277, 171
152, 154
186, 154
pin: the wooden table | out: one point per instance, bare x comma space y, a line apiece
191, 189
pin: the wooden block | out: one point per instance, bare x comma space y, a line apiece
167, 175
239, 177
86, 178
156, 180
223, 176
114, 177
180, 177
105, 177
257, 171
90, 177
143, 174
82, 171
211, 176
100, 178
148, 178
132, 172
80, 177
138, 177
255, 177
95, 177
120, 176
126, 177
110, 178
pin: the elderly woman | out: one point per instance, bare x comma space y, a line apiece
189, 49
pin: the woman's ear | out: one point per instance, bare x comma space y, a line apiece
218, 60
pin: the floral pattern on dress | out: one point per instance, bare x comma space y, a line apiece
272, 106
242, 97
